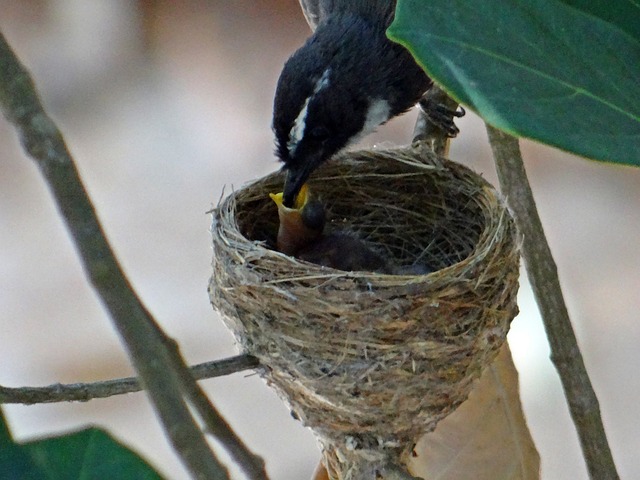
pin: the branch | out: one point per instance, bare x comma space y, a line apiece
543, 275
83, 392
153, 354
252, 465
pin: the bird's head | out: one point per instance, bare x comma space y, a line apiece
329, 95
300, 224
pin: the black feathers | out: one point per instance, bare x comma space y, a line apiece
347, 79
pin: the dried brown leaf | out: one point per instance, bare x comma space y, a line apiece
486, 438
320, 473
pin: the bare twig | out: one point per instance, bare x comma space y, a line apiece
153, 354
252, 465
542, 271
83, 392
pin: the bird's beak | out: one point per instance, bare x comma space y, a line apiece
293, 233
295, 182
299, 201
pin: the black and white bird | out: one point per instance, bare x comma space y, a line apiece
346, 80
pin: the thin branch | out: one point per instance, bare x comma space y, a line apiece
543, 275
83, 392
252, 465
161, 370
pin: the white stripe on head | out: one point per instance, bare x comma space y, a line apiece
297, 131
296, 134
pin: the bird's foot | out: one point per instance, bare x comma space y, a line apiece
441, 116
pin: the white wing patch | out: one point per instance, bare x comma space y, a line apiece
378, 113
296, 134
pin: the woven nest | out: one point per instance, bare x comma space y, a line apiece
372, 361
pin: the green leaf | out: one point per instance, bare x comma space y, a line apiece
89, 454
566, 73
15, 462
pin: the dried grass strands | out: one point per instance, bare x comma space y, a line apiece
372, 361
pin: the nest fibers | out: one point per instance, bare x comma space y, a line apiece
372, 361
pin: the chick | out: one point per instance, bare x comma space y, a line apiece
301, 234
343, 251
301, 225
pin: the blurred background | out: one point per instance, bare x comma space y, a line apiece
165, 103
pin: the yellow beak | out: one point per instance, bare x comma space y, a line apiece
301, 200
293, 234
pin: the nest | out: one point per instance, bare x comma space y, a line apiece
368, 361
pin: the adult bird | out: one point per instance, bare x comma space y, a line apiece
346, 80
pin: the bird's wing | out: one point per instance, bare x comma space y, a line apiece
315, 11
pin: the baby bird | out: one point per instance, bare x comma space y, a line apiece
301, 235
300, 225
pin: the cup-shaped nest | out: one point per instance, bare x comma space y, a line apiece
367, 360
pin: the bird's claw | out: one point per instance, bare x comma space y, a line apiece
442, 116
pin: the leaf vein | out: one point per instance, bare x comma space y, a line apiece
577, 90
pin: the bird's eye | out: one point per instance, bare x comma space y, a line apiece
319, 133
